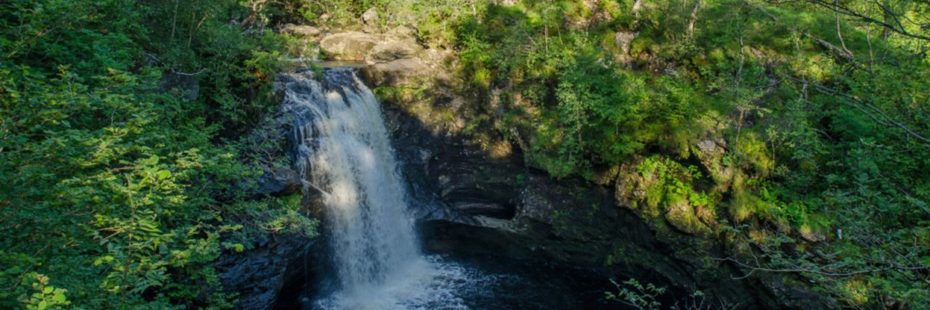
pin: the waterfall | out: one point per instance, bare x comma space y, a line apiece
343, 151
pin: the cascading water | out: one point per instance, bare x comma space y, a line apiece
344, 152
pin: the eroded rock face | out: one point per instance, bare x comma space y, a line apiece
568, 221
630, 187
468, 199
260, 275
449, 177
393, 57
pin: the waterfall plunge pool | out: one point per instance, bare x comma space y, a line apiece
464, 281
374, 257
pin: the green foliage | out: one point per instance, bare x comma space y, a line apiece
637, 295
110, 180
44, 296
597, 113
819, 116
791, 120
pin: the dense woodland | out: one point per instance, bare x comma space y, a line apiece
120, 189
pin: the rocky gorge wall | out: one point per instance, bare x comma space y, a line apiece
475, 194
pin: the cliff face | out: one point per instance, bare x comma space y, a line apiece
472, 203
476, 194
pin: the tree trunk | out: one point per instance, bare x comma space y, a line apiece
693, 20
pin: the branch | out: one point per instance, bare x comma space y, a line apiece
188, 74
862, 105
899, 29
754, 268
841, 52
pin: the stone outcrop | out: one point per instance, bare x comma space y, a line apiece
398, 44
479, 203
259, 275
301, 30
279, 182
390, 58
353, 46
449, 172
391, 50
397, 72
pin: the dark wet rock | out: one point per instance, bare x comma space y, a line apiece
260, 274
489, 209
279, 182
451, 179
793, 296
568, 221
539, 200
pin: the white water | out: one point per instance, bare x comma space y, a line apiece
344, 152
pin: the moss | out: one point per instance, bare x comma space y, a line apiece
752, 152
662, 188
682, 216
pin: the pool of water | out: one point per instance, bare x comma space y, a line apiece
474, 282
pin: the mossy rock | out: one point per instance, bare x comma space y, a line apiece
683, 217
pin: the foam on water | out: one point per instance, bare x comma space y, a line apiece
438, 284
344, 152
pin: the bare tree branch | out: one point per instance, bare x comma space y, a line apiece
897, 27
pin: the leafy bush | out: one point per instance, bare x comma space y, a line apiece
112, 178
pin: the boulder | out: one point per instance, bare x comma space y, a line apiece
623, 40
370, 17
353, 46
683, 217
710, 152
278, 182
301, 30
403, 33
631, 187
401, 72
392, 50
